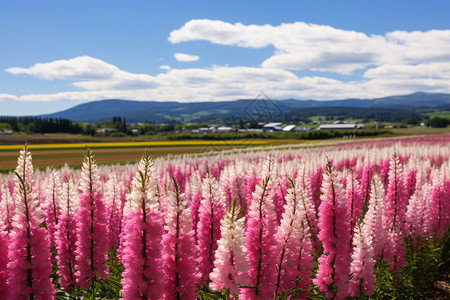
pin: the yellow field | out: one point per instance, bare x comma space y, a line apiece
183, 143
45, 155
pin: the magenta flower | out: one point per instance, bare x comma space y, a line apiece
361, 267
113, 197
440, 207
211, 211
4, 273
373, 219
180, 266
261, 244
92, 232
6, 208
29, 249
334, 263
395, 214
290, 236
50, 205
354, 198
65, 236
141, 254
309, 208
230, 263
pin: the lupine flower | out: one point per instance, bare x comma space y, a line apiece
366, 179
50, 206
4, 273
334, 263
113, 195
289, 239
6, 208
143, 276
361, 267
92, 232
374, 216
354, 198
308, 206
395, 214
65, 238
261, 244
29, 249
230, 263
305, 259
211, 212
180, 267
440, 207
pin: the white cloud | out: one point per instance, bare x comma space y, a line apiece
302, 46
186, 57
397, 62
78, 68
8, 97
88, 73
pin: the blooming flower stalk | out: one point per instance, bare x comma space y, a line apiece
6, 208
113, 195
334, 263
92, 232
289, 241
261, 244
211, 212
230, 263
65, 238
4, 273
180, 266
395, 214
143, 276
361, 268
50, 207
29, 250
373, 219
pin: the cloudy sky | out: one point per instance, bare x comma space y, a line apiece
57, 54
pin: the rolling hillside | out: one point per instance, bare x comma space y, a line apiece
387, 109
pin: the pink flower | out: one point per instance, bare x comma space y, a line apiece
309, 208
113, 197
261, 244
361, 268
440, 206
354, 198
6, 208
50, 204
65, 236
29, 249
373, 219
141, 255
211, 212
334, 264
92, 232
292, 241
230, 263
4, 273
395, 214
180, 267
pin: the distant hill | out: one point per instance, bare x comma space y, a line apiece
383, 109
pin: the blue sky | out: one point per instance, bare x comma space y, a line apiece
57, 54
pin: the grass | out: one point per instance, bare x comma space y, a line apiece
441, 114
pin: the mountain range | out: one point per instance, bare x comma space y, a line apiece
383, 109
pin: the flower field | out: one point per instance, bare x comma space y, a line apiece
354, 221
